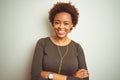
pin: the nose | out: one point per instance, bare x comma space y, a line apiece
61, 25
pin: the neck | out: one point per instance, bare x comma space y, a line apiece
61, 41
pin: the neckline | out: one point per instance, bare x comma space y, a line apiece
59, 45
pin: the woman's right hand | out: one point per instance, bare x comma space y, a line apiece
81, 73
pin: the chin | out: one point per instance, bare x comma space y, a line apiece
61, 36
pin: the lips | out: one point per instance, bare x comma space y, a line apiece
61, 32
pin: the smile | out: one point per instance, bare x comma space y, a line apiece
61, 31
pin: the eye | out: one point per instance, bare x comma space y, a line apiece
66, 24
56, 22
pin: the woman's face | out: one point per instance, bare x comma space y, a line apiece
62, 24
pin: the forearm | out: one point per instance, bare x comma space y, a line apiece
59, 77
45, 74
78, 76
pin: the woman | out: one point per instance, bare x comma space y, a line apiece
58, 57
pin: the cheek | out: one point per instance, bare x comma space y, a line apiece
68, 27
55, 26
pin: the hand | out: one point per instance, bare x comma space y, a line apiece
82, 73
44, 74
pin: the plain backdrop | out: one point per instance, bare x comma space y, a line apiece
24, 22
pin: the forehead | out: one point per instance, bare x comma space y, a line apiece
63, 16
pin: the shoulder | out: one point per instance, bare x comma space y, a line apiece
77, 45
42, 41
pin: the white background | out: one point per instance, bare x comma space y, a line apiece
23, 22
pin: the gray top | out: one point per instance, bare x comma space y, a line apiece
46, 57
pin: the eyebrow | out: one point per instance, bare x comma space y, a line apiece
63, 21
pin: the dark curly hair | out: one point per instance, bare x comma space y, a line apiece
64, 7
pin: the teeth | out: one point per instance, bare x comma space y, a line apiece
61, 32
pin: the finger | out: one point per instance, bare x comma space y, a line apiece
80, 75
86, 75
82, 70
85, 72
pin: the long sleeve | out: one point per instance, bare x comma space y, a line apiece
81, 63
81, 60
46, 58
37, 61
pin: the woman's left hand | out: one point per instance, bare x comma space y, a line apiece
82, 73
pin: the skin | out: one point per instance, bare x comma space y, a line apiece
62, 25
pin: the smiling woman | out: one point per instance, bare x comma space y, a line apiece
58, 57
62, 24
